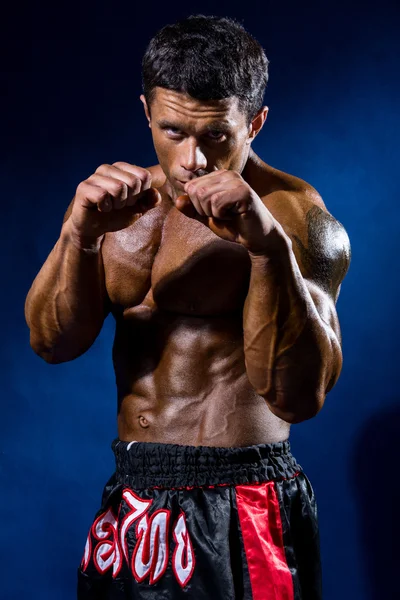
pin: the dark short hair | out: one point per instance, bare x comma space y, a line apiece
209, 58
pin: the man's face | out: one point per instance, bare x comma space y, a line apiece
195, 137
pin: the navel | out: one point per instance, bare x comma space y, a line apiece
143, 422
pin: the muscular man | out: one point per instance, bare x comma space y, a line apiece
222, 274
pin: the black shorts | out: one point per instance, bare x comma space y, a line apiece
203, 523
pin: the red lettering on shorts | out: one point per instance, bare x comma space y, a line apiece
151, 549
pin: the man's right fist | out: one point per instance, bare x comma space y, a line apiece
111, 198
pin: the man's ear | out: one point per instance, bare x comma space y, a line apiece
146, 109
257, 123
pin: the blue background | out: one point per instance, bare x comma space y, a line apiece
71, 103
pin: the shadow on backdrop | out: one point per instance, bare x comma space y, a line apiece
373, 471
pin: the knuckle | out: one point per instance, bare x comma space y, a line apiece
215, 197
140, 170
102, 168
119, 187
201, 192
99, 194
134, 183
191, 190
145, 177
81, 186
85, 188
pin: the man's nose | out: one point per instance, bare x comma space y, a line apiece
193, 158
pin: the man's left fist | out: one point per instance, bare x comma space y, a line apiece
224, 202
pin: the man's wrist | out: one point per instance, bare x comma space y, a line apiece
85, 243
277, 242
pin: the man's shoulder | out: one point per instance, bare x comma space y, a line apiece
297, 205
288, 196
320, 242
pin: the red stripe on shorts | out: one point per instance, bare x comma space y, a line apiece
261, 526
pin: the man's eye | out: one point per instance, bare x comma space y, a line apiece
173, 130
215, 135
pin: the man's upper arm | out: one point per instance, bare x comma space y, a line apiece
323, 254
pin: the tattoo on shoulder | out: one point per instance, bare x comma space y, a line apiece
327, 256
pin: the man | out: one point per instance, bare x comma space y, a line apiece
222, 274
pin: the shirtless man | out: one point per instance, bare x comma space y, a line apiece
222, 274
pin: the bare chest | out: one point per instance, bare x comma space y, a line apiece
179, 265
196, 272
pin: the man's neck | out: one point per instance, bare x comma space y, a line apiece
252, 166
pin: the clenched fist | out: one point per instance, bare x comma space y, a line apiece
227, 204
110, 199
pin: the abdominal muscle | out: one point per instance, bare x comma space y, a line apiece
182, 380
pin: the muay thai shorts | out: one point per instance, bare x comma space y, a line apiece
203, 523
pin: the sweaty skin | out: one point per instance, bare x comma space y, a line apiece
177, 292
178, 356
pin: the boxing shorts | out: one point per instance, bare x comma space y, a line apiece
203, 523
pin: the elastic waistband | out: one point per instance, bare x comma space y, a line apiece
142, 465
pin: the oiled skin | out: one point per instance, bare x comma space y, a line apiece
177, 292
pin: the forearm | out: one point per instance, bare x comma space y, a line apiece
66, 305
292, 356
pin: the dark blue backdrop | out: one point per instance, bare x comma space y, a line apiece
71, 103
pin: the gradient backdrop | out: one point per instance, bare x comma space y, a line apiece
70, 103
